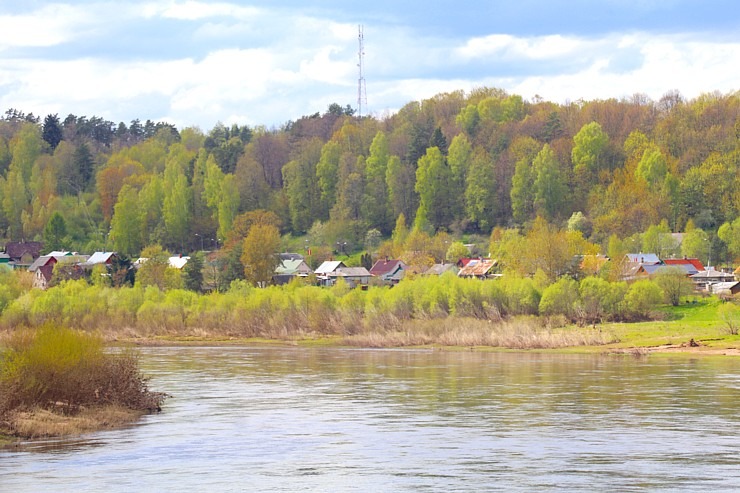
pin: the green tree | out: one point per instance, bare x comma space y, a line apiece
729, 233
126, 224
674, 283
153, 271
432, 185
642, 297
480, 194
560, 298
299, 177
549, 186
15, 201
459, 159
600, 298
589, 145
327, 171
259, 254
523, 150
696, 244
52, 131
193, 272
456, 251
652, 167
177, 211
400, 179
55, 232
468, 119
375, 201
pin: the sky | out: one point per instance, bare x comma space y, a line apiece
197, 63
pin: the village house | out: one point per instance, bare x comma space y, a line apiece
327, 267
43, 267
99, 258
22, 254
389, 271
690, 265
731, 288
353, 276
478, 268
439, 269
705, 279
290, 269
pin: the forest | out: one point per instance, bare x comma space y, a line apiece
532, 183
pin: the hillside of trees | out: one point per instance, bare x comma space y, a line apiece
606, 176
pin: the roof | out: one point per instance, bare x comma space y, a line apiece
60, 253
178, 262
687, 269
383, 267
41, 262
439, 269
643, 258
477, 267
695, 262
726, 287
290, 267
16, 250
100, 258
290, 256
329, 266
713, 274
352, 272
46, 271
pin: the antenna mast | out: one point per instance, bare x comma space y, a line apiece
361, 90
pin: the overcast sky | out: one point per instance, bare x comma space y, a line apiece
265, 62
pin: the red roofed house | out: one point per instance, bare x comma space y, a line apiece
389, 271
691, 265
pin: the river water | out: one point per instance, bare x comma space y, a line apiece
332, 420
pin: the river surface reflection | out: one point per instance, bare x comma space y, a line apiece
288, 420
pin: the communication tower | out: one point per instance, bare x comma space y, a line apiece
361, 90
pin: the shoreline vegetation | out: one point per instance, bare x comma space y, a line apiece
56, 382
511, 312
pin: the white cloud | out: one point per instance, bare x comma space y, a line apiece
271, 65
193, 10
512, 47
48, 26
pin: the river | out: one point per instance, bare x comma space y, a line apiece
334, 420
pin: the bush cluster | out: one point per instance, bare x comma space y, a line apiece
294, 309
66, 370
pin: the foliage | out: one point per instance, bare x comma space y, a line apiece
62, 369
642, 297
729, 313
259, 253
674, 283
628, 167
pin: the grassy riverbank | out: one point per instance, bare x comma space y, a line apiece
673, 330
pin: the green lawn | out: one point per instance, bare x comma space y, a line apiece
696, 320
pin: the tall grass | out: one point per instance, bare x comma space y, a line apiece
517, 333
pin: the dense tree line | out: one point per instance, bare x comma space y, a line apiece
622, 173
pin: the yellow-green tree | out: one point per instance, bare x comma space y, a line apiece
259, 253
